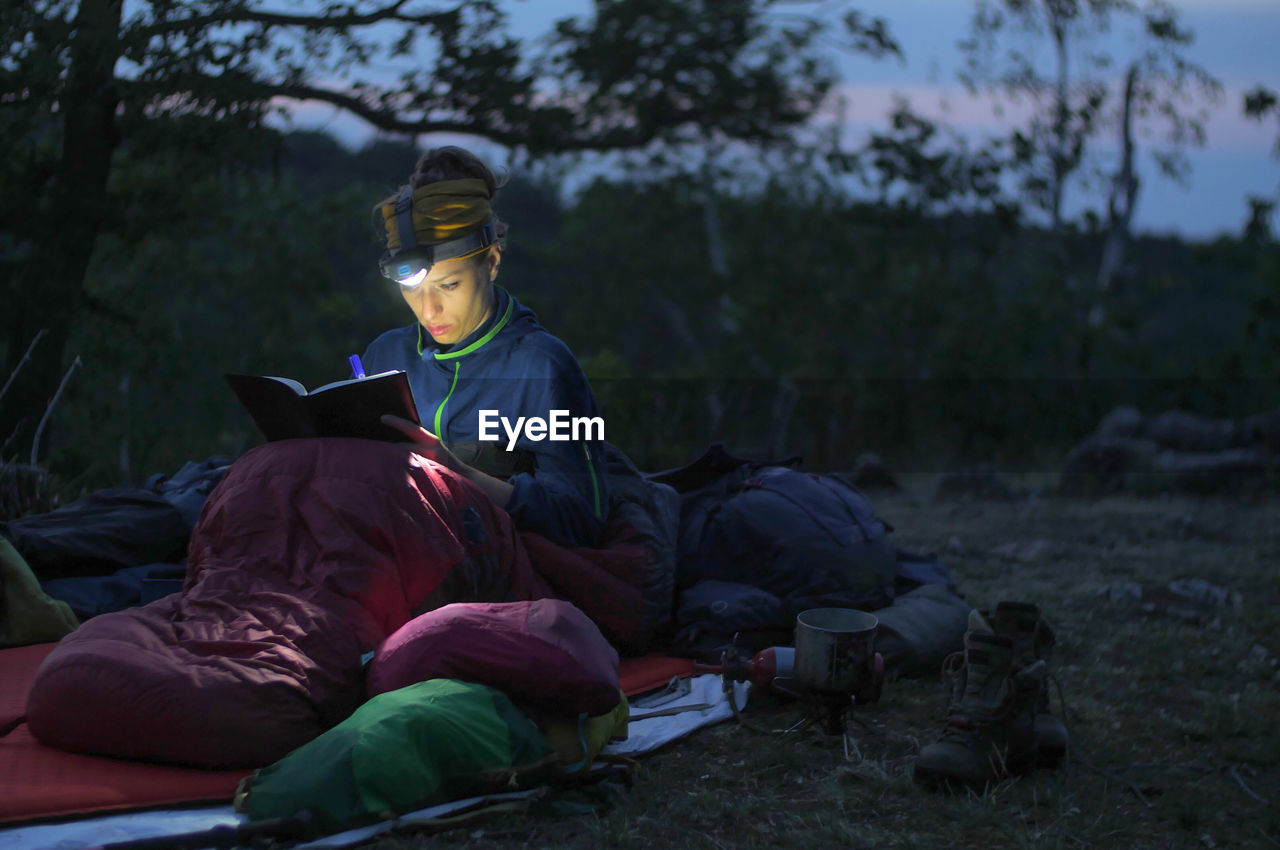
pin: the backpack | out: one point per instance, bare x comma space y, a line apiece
811, 540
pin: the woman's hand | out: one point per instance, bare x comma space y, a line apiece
428, 445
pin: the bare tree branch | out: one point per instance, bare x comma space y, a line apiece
284, 19
389, 121
386, 119
1124, 193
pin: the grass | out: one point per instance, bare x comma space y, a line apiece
1179, 717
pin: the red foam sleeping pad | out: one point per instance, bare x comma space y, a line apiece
308, 554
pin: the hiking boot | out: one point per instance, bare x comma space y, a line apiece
990, 732
1033, 640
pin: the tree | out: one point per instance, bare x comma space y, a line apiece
1085, 92
86, 87
1260, 103
1071, 104
918, 168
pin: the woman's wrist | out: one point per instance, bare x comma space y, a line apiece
495, 488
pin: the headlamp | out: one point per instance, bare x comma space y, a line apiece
409, 265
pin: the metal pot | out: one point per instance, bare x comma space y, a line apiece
835, 653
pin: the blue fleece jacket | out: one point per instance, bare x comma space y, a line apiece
511, 365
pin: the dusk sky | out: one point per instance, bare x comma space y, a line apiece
1235, 40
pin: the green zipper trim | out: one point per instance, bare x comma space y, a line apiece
457, 367
493, 331
595, 483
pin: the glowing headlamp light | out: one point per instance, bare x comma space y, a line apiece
409, 265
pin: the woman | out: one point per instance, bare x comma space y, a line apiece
475, 348
310, 553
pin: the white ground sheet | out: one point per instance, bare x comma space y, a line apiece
643, 736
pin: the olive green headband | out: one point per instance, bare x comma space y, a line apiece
442, 211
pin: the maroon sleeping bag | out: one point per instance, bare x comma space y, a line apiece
613, 585
308, 554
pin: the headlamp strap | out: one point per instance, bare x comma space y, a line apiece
464, 245
404, 218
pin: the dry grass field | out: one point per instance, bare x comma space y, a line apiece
1174, 707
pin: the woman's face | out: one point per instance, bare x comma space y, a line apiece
455, 297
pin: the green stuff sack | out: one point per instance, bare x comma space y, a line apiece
403, 750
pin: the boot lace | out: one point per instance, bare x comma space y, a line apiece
967, 723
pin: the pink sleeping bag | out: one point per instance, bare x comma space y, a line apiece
546, 655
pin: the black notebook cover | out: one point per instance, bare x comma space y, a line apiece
283, 409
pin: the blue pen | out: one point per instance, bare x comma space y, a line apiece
357, 368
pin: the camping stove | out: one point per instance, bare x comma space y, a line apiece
833, 667
836, 664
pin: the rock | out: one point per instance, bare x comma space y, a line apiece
979, 482
1102, 465
1260, 431
1209, 472
1188, 432
1206, 594
1129, 591
1193, 600
1122, 423
1175, 451
870, 473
